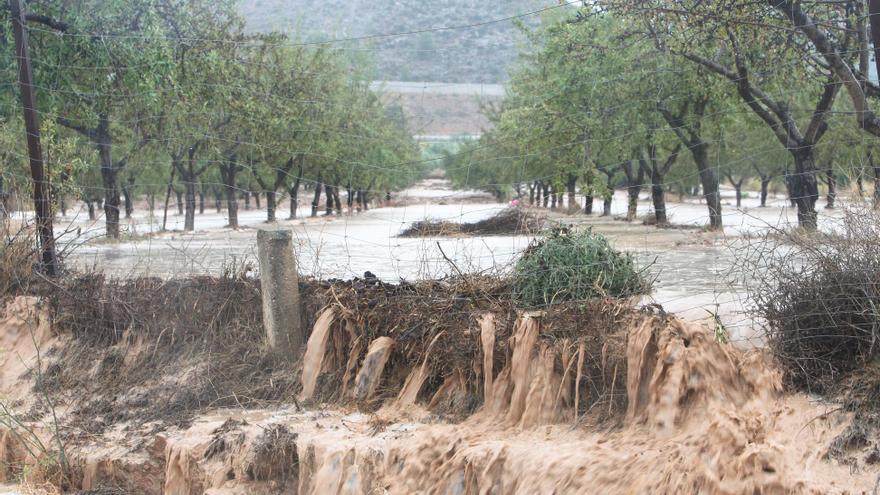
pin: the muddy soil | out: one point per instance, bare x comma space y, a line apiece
700, 417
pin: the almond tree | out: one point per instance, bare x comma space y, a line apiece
749, 45
100, 57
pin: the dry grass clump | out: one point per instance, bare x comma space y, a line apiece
275, 455
414, 314
819, 294
437, 321
148, 349
17, 258
509, 221
145, 349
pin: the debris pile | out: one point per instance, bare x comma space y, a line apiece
509, 221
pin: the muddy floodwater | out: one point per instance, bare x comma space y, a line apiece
637, 402
696, 272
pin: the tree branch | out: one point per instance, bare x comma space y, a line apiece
818, 124
670, 159
676, 123
866, 118
48, 22
65, 122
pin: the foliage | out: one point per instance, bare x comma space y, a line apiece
573, 266
139, 97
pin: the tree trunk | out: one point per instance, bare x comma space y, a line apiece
111, 202
553, 197
201, 202
738, 188
110, 181
293, 191
545, 193
270, 206
168, 197
126, 197
788, 189
109, 177
189, 222
805, 187
709, 182
228, 172
632, 204
532, 187
831, 182
218, 200
608, 194
571, 185
247, 200
293, 203
91, 206
328, 199
634, 181
658, 197
256, 199
180, 201
765, 183
336, 200
317, 198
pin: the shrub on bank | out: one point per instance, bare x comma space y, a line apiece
571, 265
819, 296
17, 259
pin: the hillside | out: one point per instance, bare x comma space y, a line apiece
442, 109
479, 54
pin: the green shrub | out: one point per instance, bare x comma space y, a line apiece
570, 265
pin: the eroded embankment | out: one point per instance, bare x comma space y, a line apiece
528, 405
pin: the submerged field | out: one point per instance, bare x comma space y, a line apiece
427, 378
696, 272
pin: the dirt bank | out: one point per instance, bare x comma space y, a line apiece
624, 401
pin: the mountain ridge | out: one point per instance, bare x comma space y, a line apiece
480, 53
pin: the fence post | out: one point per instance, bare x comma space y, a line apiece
42, 202
280, 286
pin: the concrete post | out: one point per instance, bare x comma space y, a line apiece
280, 285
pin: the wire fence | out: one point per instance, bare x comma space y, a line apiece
368, 192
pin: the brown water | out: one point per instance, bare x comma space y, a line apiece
693, 269
702, 418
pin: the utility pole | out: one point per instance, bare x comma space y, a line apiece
42, 203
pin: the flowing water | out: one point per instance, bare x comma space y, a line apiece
702, 418
697, 274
